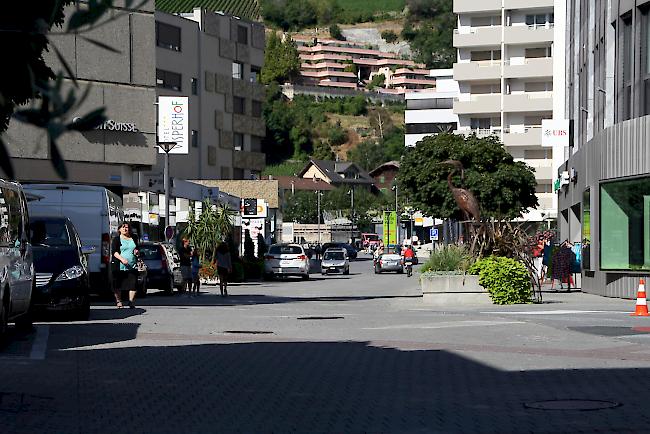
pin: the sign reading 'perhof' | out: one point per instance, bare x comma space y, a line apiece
555, 132
174, 122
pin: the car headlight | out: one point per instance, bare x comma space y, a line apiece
71, 273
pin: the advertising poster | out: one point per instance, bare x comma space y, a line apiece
390, 227
174, 123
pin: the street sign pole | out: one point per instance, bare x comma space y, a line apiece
166, 147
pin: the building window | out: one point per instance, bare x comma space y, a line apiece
238, 141
539, 21
238, 105
237, 71
625, 225
168, 36
431, 128
430, 103
628, 56
538, 86
257, 109
195, 86
645, 54
382, 179
168, 80
537, 53
225, 172
242, 34
489, 55
255, 74
212, 156
195, 139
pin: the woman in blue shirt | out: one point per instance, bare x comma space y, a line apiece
125, 273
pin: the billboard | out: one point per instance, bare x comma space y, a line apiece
555, 132
390, 228
174, 123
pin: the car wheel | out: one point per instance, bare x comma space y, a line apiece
169, 287
268, 276
83, 312
305, 277
400, 271
346, 271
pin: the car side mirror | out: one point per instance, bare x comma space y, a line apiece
87, 250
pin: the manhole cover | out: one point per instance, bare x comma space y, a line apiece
249, 332
572, 404
320, 317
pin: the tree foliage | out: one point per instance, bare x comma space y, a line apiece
503, 187
389, 36
378, 80
335, 32
429, 29
213, 226
372, 153
281, 60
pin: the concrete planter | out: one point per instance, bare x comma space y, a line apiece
453, 290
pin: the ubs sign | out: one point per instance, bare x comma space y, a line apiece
555, 132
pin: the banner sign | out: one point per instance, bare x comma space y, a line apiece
174, 123
390, 228
555, 132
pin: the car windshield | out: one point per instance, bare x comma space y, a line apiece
50, 233
292, 250
149, 252
334, 255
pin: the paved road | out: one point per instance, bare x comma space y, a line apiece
337, 354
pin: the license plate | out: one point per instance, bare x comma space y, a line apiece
285, 263
390, 263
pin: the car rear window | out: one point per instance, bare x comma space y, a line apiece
334, 255
149, 252
279, 250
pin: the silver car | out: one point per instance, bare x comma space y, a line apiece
389, 262
335, 260
286, 260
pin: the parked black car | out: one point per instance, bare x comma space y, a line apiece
159, 271
61, 267
352, 252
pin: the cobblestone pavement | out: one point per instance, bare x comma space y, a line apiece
342, 354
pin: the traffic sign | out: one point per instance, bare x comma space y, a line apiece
433, 234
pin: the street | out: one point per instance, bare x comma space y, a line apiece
335, 354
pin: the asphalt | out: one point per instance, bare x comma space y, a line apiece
336, 354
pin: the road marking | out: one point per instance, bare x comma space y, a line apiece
552, 312
39, 346
444, 325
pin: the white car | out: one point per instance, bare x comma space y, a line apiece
286, 260
389, 261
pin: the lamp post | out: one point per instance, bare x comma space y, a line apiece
318, 195
351, 193
166, 147
411, 224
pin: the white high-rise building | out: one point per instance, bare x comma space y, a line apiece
511, 77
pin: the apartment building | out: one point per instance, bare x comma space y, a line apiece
430, 111
350, 65
511, 77
604, 203
215, 60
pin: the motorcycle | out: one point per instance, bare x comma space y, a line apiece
408, 264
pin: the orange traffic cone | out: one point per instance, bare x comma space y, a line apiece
641, 302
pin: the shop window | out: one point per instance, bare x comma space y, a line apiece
586, 230
625, 225
168, 36
168, 80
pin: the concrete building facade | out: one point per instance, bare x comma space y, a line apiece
431, 111
510, 71
123, 82
215, 60
605, 204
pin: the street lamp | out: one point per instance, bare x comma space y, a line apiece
318, 195
166, 147
351, 193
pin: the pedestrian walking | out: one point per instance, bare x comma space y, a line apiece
123, 264
196, 266
224, 267
185, 254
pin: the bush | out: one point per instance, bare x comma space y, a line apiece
337, 136
389, 36
506, 279
335, 32
448, 258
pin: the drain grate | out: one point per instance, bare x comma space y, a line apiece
249, 332
572, 404
313, 318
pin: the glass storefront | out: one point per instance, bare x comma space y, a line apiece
586, 230
625, 224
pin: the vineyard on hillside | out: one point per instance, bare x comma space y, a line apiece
248, 9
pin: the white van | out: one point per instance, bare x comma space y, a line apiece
94, 211
16, 260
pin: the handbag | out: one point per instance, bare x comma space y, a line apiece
140, 266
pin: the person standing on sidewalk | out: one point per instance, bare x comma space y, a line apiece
196, 267
224, 267
185, 254
123, 264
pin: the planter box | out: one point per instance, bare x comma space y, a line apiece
453, 290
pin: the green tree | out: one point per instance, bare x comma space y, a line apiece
389, 36
335, 32
337, 135
378, 80
322, 151
301, 207
213, 226
503, 187
289, 14
281, 60
368, 154
429, 29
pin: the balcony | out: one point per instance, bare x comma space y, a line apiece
531, 68
489, 103
481, 70
469, 6
530, 136
524, 35
248, 160
478, 37
527, 4
481, 132
528, 102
